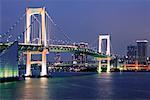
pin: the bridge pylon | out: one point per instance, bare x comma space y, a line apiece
107, 38
42, 36
29, 13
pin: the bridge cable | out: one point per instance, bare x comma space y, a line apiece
59, 28
52, 35
93, 44
13, 26
25, 30
39, 37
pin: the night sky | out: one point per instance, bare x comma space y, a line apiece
84, 20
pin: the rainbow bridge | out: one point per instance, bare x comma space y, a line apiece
42, 46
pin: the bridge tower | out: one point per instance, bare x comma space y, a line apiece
29, 13
107, 38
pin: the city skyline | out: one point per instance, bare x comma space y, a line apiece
74, 49
126, 21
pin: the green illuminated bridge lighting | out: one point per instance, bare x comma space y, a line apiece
54, 48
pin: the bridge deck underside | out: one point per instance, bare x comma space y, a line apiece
56, 48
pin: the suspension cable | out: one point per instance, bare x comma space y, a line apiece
25, 30
58, 27
93, 43
13, 26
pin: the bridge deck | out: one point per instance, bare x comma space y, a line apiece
54, 48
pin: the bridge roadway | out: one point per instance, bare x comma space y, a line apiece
53, 48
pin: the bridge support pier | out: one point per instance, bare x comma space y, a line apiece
108, 64
43, 63
44, 68
28, 64
100, 64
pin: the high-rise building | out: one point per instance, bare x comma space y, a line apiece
142, 47
81, 57
131, 54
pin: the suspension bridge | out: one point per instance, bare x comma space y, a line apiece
36, 37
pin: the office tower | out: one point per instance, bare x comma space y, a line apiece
131, 54
142, 53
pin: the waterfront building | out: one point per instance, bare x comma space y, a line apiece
131, 54
148, 60
81, 57
9, 63
142, 52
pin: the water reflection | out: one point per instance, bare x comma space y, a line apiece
43, 82
5, 89
104, 83
35, 89
104, 86
44, 94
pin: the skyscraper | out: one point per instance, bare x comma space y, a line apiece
142, 51
131, 54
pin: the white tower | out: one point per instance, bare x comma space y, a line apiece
29, 13
107, 38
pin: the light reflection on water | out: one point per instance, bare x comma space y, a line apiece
36, 89
104, 86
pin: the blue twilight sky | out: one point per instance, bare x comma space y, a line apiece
84, 20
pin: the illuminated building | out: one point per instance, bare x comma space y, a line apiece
9, 63
131, 54
81, 57
142, 51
